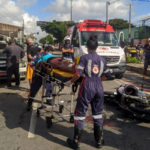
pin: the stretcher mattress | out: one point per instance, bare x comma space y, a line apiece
61, 75
59, 68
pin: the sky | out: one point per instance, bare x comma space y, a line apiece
15, 11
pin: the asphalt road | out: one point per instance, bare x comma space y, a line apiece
22, 130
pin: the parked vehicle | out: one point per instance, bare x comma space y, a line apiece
3, 63
108, 43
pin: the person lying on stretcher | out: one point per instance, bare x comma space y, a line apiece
37, 80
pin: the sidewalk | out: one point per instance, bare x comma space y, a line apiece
138, 68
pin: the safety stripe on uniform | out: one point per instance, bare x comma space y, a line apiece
81, 87
97, 116
78, 118
106, 71
80, 67
101, 68
89, 67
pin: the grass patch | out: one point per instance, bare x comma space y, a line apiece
133, 60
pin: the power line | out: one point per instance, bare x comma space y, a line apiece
141, 0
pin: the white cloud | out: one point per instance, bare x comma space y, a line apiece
87, 9
12, 14
31, 27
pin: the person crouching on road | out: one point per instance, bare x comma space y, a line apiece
147, 56
92, 66
37, 81
14, 55
67, 50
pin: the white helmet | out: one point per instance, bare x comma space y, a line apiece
67, 38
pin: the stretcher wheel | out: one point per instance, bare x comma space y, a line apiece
61, 107
49, 122
71, 119
38, 113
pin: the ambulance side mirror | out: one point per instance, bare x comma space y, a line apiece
122, 44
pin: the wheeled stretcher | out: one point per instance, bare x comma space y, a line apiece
58, 78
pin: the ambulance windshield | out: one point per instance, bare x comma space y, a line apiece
104, 38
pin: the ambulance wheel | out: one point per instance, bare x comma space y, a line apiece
119, 76
71, 119
38, 113
49, 122
61, 107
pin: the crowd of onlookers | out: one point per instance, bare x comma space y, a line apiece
140, 52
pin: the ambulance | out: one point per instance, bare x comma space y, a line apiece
108, 45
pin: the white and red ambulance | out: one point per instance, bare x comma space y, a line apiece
108, 47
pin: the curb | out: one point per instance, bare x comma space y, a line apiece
136, 69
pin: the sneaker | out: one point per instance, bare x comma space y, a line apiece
9, 86
99, 144
29, 106
17, 86
49, 100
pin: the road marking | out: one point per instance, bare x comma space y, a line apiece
31, 133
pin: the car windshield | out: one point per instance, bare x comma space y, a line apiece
104, 38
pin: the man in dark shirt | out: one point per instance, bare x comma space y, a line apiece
147, 56
14, 55
32, 51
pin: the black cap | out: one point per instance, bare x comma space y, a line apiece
48, 48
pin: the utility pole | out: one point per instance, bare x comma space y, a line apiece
130, 23
107, 10
107, 4
23, 34
71, 10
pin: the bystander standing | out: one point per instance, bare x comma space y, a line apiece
32, 51
67, 50
14, 54
147, 56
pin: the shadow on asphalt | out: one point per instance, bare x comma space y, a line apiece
14, 88
4, 85
13, 109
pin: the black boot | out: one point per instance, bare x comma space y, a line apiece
29, 104
98, 134
74, 143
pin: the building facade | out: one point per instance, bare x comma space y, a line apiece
138, 35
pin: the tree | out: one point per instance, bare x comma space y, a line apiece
57, 29
48, 39
119, 23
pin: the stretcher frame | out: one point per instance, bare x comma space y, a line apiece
60, 85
